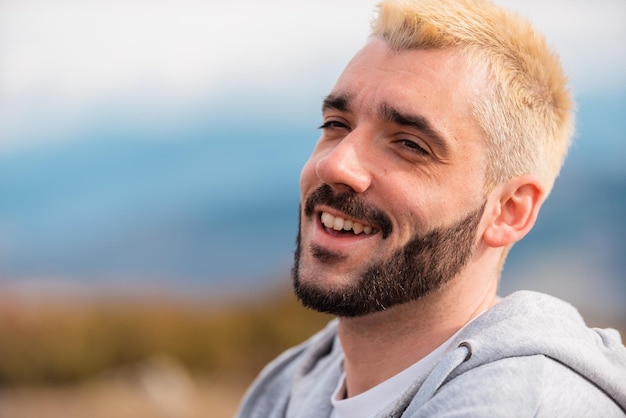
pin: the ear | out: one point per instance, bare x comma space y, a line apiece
515, 205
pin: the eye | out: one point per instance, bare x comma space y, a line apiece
413, 146
333, 124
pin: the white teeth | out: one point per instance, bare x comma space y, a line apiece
327, 220
337, 223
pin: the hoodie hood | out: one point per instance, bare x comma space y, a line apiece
529, 323
523, 325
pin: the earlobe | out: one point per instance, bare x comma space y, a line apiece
514, 211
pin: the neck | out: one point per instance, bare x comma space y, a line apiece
380, 345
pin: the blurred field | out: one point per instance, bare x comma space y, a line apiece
106, 357
140, 356
154, 396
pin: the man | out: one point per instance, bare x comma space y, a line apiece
440, 142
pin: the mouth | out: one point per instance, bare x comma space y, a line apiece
345, 215
337, 225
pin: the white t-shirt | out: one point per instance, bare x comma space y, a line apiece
369, 403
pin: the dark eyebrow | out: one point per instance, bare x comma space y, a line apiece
339, 102
416, 122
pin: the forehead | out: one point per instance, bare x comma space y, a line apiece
437, 85
447, 71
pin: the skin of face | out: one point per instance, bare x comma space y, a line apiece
398, 134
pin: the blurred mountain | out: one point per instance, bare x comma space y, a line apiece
215, 203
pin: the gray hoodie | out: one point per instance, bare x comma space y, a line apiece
531, 355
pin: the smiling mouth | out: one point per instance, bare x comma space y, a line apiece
339, 224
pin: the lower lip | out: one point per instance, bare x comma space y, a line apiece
341, 234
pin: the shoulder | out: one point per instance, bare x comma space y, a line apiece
532, 355
534, 385
270, 392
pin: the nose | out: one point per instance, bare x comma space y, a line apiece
344, 167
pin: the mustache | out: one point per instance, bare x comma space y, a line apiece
351, 204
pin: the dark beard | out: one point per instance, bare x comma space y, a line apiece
422, 266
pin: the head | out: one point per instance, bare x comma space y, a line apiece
439, 143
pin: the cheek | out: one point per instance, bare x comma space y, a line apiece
417, 205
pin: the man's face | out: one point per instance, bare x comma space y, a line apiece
392, 196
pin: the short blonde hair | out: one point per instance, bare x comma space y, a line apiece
527, 111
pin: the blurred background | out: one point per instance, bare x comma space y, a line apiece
149, 161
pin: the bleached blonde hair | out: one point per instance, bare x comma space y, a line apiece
526, 110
